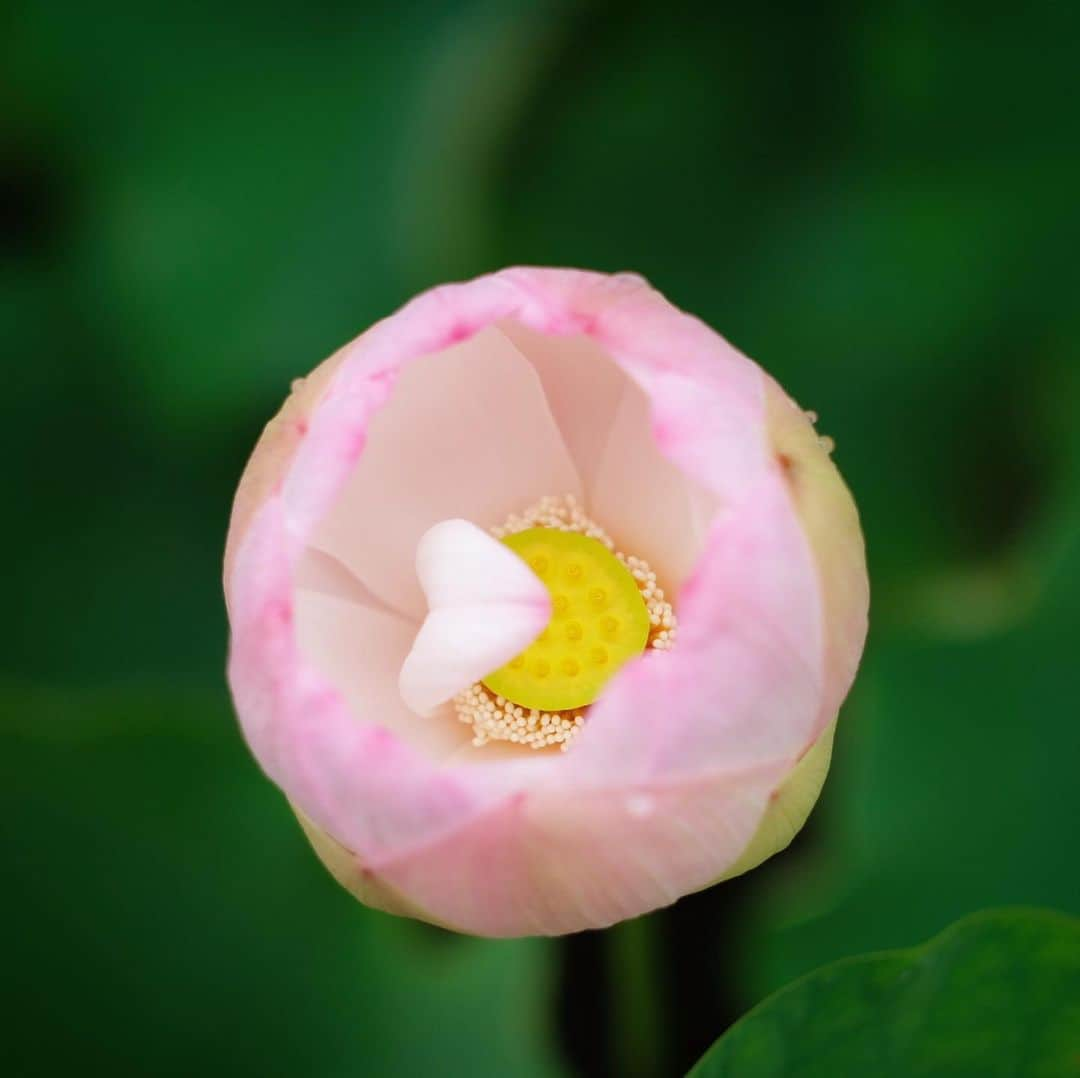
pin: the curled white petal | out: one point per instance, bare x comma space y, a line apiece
485, 605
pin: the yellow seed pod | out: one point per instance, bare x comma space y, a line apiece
599, 621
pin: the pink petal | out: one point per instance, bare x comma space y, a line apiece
646, 504
557, 861
486, 606
584, 389
359, 650
465, 433
321, 572
743, 687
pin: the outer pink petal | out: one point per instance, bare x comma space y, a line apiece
551, 862
676, 766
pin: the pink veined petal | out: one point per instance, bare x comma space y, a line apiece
743, 687
486, 605
557, 860
318, 571
360, 650
649, 505
584, 388
646, 503
465, 433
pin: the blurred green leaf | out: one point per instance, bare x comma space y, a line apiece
166, 917
953, 773
994, 996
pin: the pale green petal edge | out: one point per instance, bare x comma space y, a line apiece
791, 805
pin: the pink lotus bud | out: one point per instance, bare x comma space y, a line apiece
543, 601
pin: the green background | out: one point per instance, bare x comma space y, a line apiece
876, 201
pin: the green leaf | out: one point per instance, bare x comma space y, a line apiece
998, 993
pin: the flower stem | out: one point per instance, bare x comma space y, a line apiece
637, 994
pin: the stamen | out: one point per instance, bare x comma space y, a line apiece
557, 678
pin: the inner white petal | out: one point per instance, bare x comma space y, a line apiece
584, 389
321, 572
466, 433
486, 605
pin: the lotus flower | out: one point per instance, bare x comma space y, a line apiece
543, 603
